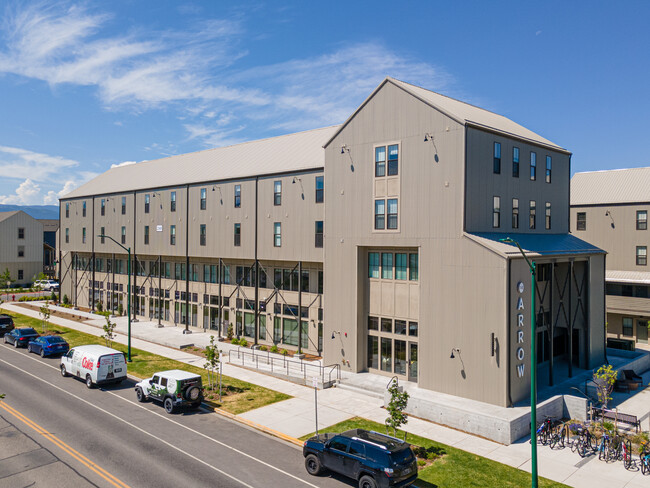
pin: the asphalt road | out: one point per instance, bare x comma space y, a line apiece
103, 437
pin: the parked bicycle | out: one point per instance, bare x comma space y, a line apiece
586, 442
644, 458
559, 435
545, 430
622, 450
605, 448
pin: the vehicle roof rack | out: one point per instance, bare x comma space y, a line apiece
370, 442
388, 437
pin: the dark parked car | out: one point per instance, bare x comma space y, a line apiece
371, 458
48, 345
20, 337
6, 324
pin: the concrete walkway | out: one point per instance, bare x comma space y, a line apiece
295, 417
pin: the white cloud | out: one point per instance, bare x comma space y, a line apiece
21, 163
27, 193
125, 163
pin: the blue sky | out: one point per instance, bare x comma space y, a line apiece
85, 85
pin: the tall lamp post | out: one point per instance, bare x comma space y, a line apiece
128, 295
533, 365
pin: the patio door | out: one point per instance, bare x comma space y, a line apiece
642, 331
413, 361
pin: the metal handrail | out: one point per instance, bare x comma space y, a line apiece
286, 364
391, 380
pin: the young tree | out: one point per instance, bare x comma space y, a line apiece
212, 362
604, 378
45, 314
5, 278
398, 401
109, 332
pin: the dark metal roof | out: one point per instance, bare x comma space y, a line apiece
543, 244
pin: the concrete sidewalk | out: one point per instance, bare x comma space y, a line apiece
296, 417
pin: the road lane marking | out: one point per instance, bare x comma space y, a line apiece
65, 447
286, 473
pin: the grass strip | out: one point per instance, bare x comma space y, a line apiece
238, 396
455, 468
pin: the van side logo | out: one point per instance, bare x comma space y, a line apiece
87, 364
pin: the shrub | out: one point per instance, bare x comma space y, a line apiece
243, 342
66, 300
264, 348
120, 309
53, 296
274, 348
284, 352
234, 341
100, 307
230, 333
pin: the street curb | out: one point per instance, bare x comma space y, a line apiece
212, 406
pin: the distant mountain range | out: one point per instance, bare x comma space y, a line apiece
36, 211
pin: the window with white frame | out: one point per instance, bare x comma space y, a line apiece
641, 220
548, 216
641, 255
496, 212
277, 193
496, 162
515, 213
532, 211
533, 166
277, 234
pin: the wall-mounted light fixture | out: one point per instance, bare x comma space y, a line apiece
344, 149
454, 350
215, 187
609, 214
334, 332
153, 195
428, 137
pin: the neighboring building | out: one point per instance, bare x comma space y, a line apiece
386, 244
50, 227
610, 209
21, 246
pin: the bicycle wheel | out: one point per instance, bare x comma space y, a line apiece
582, 447
627, 455
644, 464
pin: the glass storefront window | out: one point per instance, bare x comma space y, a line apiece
249, 324
413, 329
373, 352
387, 265
400, 357
386, 325
386, 354
400, 266
400, 327
373, 265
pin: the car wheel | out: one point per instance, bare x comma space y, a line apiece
192, 393
367, 481
89, 381
15, 344
42, 353
169, 405
64, 373
140, 395
313, 465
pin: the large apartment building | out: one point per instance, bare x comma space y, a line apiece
610, 209
377, 244
21, 246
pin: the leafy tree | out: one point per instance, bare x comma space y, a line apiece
5, 278
212, 362
45, 314
398, 401
109, 332
604, 378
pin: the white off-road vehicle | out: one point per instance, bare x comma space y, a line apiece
174, 388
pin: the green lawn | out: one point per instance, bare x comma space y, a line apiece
456, 468
241, 396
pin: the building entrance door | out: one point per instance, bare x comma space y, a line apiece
413, 361
642, 331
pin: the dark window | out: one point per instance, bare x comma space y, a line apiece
373, 352
103, 207
641, 255
123, 235
146, 234
339, 444
380, 161
172, 235
204, 198
641, 220
380, 214
67, 235
202, 236
67, 210
83, 209
548, 216
320, 282
373, 323
581, 221
400, 266
21, 232
277, 192
392, 213
400, 327
172, 202
21, 251
147, 203
320, 187
386, 325
515, 213
531, 214
102, 233
123, 205
393, 160
83, 235
413, 267
237, 234
373, 265
386, 354
357, 449
628, 328
515, 162
496, 212
319, 233
548, 169
533, 166
496, 167
237, 196
20, 274
413, 329
387, 265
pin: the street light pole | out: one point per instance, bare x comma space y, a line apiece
533, 366
128, 295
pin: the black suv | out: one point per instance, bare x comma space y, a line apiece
371, 458
6, 324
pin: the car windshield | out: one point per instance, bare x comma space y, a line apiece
402, 456
27, 332
5, 320
55, 340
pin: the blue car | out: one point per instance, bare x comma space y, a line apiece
48, 345
20, 337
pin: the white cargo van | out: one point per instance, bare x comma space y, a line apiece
95, 364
